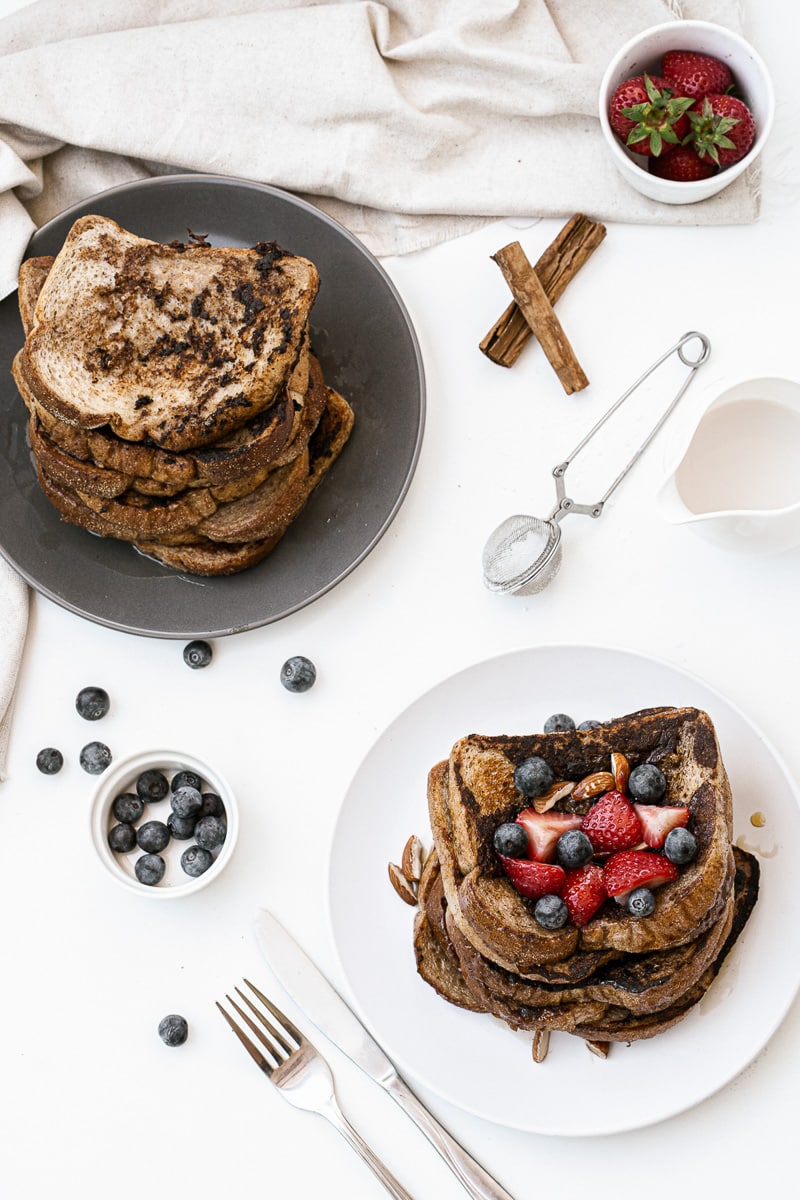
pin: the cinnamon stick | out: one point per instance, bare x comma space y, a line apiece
528, 292
559, 264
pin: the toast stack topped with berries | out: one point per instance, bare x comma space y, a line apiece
583, 880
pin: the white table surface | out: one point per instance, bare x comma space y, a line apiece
90, 1098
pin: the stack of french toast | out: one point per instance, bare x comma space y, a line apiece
174, 397
626, 942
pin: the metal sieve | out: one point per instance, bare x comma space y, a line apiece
523, 554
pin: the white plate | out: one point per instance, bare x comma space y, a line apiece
475, 1061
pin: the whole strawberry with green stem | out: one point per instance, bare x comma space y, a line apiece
722, 129
647, 116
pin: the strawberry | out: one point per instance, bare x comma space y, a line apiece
611, 824
682, 165
646, 115
722, 129
544, 830
583, 893
657, 820
690, 73
533, 879
636, 868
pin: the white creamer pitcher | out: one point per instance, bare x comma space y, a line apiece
737, 481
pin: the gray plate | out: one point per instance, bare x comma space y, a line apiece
366, 344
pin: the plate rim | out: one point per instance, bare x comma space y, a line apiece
623, 1123
301, 601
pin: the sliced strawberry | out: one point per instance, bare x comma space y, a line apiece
533, 879
583, 893
691, 73
656, 821
636, 868
611, 824
544, 830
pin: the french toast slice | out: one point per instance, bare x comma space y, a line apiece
475, 792
171, 344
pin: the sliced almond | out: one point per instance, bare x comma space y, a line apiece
540, 1045
558, 791
620, 770
411, 862
601, 1049
593, 785
401, 885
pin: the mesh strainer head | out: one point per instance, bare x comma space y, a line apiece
522, 556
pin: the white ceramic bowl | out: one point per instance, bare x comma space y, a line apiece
121, 777
644, 53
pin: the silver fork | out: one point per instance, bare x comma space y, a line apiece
301, 1074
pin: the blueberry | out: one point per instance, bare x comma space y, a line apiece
559, 723
152, 836
591, 724
150, 869
298, 674
680, 846
641, 902
122, 838
92, 703
152, 785
173, 1030
186, 779
551, 912
533, 776
49, 761
212, 805
195, 860
511, 839
181, 828
573, 849
94, 758
127, 808
209, 832
186, 802
197, 654
647, 782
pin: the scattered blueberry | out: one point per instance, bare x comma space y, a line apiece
212, 805
94, 758
680, 846
573, 849
152, 836
92, 703
122, 838
186, 779
298, 674
591, 724
186, 802
127, 808
641, 902
173, 1030
209, 832
559, 723
181, 828
195, 860
152, 785
150, 869
533, 776
647, 782
551, 912
197, 654
511, 839
49, 761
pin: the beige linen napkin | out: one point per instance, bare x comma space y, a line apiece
411, 120
13, 623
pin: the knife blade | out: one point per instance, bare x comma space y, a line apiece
322, 1004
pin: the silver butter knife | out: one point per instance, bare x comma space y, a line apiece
323, 1005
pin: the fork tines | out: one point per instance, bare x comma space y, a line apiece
279, 1042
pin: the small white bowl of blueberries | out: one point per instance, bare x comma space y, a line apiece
164, 824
